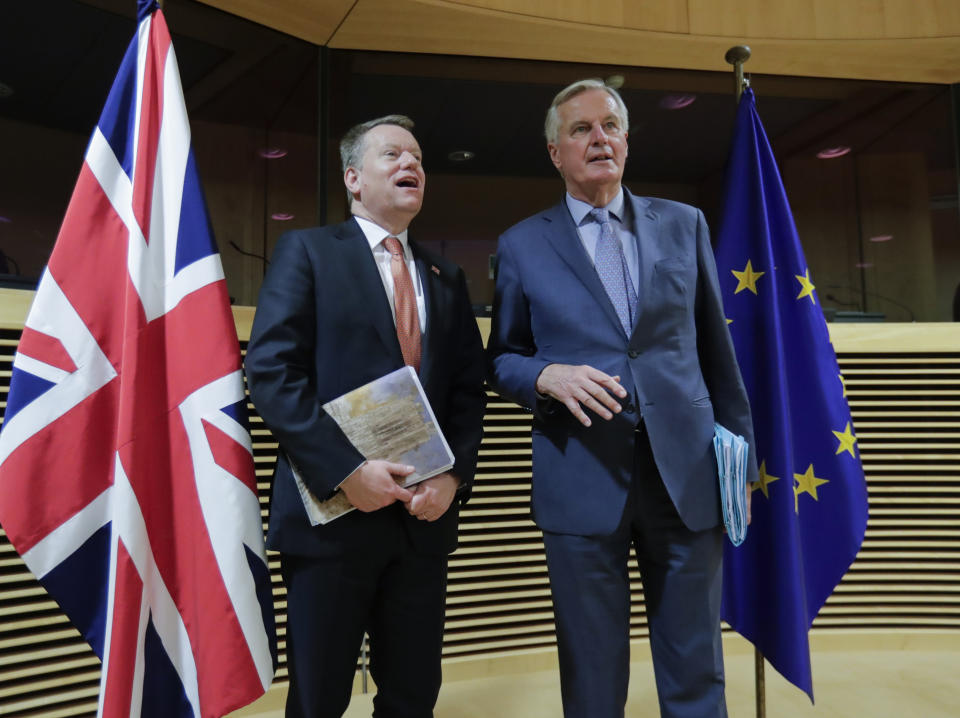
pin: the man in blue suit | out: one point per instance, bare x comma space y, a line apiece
608, 324
341, 306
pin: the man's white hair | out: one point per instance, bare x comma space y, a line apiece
551, 127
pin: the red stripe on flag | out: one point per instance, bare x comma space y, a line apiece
165, 362
124, 638
59, 470
151, 114
89, 262
46, 349
231, 456
174, 355
160, 468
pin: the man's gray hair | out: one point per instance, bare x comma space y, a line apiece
352, 144
551, 127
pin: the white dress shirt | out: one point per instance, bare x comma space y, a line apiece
375, 235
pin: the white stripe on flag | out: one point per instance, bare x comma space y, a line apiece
63, 541
231, 511
40, 369
52, 314
129, 525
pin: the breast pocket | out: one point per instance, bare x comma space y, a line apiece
670, 282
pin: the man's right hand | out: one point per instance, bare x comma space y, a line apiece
373, 485
577, 387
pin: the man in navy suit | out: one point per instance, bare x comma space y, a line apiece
608, 324
340, 306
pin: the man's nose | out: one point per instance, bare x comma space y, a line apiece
408, 159
597, 135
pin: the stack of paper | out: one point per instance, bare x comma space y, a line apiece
732, 469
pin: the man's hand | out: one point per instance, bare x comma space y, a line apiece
432, 497
576, 385
374, 485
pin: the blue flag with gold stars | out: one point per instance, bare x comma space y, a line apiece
810, 504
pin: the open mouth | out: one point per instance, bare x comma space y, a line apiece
600, 158
411, 182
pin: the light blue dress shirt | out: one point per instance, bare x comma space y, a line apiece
589, 231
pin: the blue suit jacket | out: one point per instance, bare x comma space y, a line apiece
323, 326
678, 366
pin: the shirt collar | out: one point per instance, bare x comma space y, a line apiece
375, 234
580, 209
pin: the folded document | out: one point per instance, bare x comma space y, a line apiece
391, 419
732, 453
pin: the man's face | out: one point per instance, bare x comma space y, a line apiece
390, 181
591, 146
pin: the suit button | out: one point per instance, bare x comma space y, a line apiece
633, 353
629, 408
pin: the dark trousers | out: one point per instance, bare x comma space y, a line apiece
392, 592
681, 572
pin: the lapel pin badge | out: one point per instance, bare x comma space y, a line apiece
435, 269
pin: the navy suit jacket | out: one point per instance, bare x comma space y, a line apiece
323, 326
678, 365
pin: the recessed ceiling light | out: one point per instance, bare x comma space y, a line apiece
615, 81
5, 90
461, 156
882, 238
272, 153
677, 101
281, 216
831, 153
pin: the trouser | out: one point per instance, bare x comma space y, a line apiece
681, 572
394, 594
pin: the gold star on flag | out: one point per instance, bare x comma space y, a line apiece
807, 483
747, 279
729, 321
765, 478
847, 440
807, 285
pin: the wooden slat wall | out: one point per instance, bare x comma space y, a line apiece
906, 407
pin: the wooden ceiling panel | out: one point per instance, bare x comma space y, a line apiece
311, 20
435, 26
894, 40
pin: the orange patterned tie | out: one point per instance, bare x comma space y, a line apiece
404, 304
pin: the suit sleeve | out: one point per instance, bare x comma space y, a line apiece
718, 360
512, 364
281, 374
466, 399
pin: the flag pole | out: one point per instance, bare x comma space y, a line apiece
736, 56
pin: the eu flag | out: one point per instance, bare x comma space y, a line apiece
810, 505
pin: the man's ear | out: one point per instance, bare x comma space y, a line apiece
351, 179
555, 157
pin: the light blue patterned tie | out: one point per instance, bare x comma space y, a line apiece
611, 265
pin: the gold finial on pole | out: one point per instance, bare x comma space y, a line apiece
736, 56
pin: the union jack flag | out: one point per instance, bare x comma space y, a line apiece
126, 470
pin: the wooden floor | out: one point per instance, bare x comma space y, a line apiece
880, 676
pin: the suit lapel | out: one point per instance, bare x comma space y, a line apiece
646, 232
432, 290
362, 279
563, 237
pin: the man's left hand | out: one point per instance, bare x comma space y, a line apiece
432, 497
